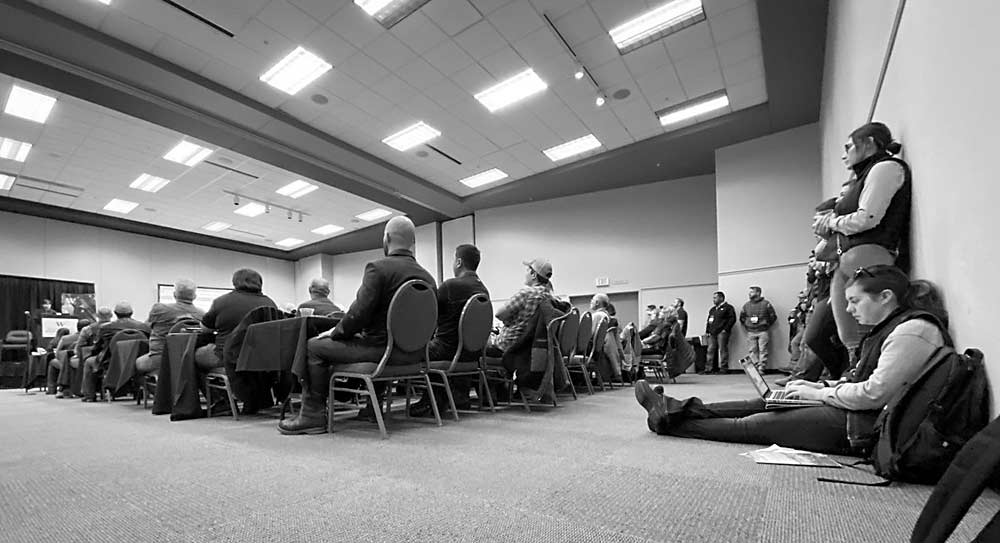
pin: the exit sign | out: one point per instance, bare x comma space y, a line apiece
602, 282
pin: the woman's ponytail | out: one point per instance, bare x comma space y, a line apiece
925, 296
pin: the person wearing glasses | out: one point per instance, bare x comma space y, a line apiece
908, 325
870, 221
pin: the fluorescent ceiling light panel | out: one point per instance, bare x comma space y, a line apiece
28, 104
412, 136
289, 242
149, 183
292, 73
511, 90
187, 153
250, 209
390, 12
328, 229
484, 178
374, 214
572, 148
120, 206
14, 150
216, 226
105, 2
693, 108
295, 189
6, 181
657, 23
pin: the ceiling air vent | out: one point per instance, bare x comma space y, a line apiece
48, 186
234, 170
197, 17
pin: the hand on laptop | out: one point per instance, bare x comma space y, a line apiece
804, 390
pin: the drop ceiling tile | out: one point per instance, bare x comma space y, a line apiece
418, 32
716, 7
389, 51
130, 31
371, 103
447, 94
321, 10
448, 58
181, 54
556, 68
354, 25
474, 79
516, 20
647, 59
488, 6
288, 20
637, 117
607, 128
556, 8
452, 16
539, 45
748, 70
394, 89
532, 129
424, 108
504, 63
747, 94
265, 41
342, 85
702, 83
224, 74
579, 25
480, 40
558, 117
597, 51
264, 93
739, 49
700, 73
689, 42
324, 43
734, 22
530, 156
612, 14
420, 74
364, 69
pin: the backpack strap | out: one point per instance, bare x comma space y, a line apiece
975, 465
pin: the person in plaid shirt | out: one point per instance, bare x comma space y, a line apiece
521, 307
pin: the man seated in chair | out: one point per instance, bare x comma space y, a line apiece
162, 317
609, 361
88, 337
655, 342
518, 312
66, 343
94, 365
452, 297
361, 336
319, 298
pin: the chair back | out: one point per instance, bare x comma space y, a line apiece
473, 326
17, 337
234, 343
583, 334
599, 337
184, 325
569, 331
125, 335
412, 316
636, 342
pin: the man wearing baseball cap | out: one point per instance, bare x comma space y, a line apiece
521, 307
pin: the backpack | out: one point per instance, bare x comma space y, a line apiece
977, 466
922, 429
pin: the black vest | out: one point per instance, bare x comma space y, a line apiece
893, 231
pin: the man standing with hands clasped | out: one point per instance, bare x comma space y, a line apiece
757, 318
721, 318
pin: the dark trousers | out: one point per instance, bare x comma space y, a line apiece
718, 351
326, 354
821, 338
821, 429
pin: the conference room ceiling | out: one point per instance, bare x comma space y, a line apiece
428, 68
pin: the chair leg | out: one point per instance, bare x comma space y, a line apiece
451, 397
434, 405
376, 406
208, 399
485, 384
232, 399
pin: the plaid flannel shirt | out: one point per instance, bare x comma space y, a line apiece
519, 310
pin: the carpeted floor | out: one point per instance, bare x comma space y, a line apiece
586, 471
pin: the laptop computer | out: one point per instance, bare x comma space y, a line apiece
773, 399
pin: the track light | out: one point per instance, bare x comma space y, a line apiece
236, 200
267, 208
300, 216
600, 100
578, 75
289, 214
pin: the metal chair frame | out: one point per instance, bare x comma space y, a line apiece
472, 336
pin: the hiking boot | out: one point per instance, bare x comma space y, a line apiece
652, 401
310, 420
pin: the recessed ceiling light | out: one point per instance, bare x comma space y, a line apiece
216, 226
412, 136
572, 148
328, 229
296, 189
105, 2
511, 90
6, 181
120, 206
693, 108
292, 73
28, 104
390, 12
483, 178
289, 242
656, 23
187, 153
374, 214
14, 150
149, 183
251, 209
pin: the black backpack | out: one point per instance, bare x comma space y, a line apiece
922, 429
977, 466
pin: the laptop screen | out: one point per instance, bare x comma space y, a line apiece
755, 377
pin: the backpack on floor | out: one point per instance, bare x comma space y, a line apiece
977, 466
927, 423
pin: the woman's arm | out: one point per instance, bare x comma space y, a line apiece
884, 179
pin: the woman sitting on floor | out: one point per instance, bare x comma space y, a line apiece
907, 330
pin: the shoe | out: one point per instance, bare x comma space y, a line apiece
310, 420
654, 404
783, 381
50, 391
220, 408
367, 414
60, 395
417, 410
89, 399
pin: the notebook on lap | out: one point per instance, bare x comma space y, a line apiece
773, 399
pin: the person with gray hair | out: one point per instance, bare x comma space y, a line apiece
162, 317
95, 365
319, 298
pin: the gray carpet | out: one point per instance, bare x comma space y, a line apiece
586, 471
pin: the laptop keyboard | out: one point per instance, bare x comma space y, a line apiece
777, 395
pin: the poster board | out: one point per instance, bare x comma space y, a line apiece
205, 295
81, 306
51, 325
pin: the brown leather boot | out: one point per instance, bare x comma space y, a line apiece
311, 418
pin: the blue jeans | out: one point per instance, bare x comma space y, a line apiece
820, 429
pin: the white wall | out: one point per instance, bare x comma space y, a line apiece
348, 269
645, 236
938, 100
454, 233
766, 191
307, 269
126, 266
426, 251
